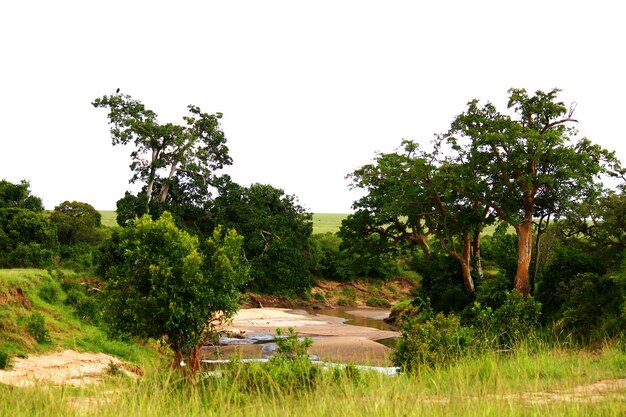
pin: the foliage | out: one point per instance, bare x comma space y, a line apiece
49, 292
290, 344
76, 222
492, 291
441, 282
164, 287
331, 262
36, 327
276, 233
529, 164
438, 341
27, 239
5, 360
501, 248
507, 325
174, 162
592, 307
570, 259
18, 196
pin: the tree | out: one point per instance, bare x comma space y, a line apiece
276, 231
526, 158
164, 287
76, 222
27, 239
18, 196
167, 155
414, 197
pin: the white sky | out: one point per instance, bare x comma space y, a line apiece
309, 90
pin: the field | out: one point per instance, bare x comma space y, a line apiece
546, 383
322, 222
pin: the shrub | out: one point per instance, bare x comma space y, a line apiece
592, 306
49, 293
319, 297
5, 360
441, 282
36, 327
74, 296
290, 370
290, 344
508, 325
377, 302
439, 341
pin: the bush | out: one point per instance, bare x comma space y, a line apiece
74, 296
439, 341
5, 360
377, 302
442, 282
290, 370
508, 325
318, 296
49, 293
36, 327
569, 261
290, 344
592, 306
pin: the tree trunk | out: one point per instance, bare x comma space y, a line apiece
524, 252
151, 176
476, 252
166, 186
464, 261
540, 230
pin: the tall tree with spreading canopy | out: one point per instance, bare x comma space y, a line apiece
167, 155
416, 197
525, 157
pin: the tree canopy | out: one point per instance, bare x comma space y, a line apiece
166, 156
164, 285
488, 165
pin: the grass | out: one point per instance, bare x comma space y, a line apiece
548, 382
109, 218
21, 297
327, 222
322, 222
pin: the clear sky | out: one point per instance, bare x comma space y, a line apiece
310, 90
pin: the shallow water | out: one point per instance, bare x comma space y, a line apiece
355, 320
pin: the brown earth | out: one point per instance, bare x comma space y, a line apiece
67, 367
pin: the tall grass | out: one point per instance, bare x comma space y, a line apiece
544, 383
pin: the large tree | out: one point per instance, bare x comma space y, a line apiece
18, 196
167, 155
276, 231
76, 222
418, 197
530, 155
164, 286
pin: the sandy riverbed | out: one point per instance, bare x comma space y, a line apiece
333, 340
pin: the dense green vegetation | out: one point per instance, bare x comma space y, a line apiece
506, 224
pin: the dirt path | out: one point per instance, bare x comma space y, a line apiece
67, 367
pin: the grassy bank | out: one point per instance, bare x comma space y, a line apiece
46, 311
551, 382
